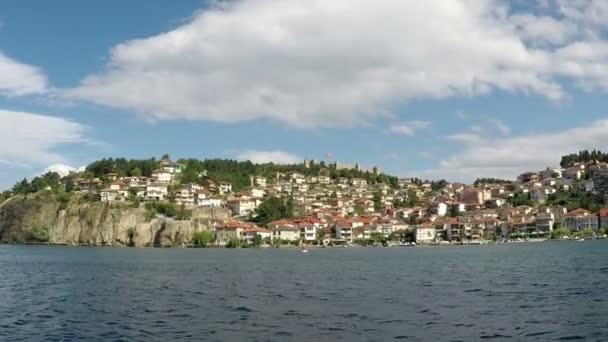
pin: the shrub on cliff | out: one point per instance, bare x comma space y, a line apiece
167, 210
39, 234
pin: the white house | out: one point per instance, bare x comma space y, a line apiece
241, 206
203, 198
308, 231
344, 230
156, 192
324, 180
545, 222
162, 176
183, 196
425, 233
258, 181
249, 234
441, 209
111, 195
359, 182
257, 192
285, 233
541, 194
225, 188
223, 235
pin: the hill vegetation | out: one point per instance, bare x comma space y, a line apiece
235, 172
584, 157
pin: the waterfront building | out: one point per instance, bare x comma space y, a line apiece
580, 219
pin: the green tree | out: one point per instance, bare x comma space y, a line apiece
22, 187
203, 238
69, 183
136, 172
404, 235
274, 208
38, 183
453, 211
520, 198
257, 240
412, 198
359, 210
320, 236
233, 242
377, 201
560, 232
588, 232
377, 237
288, 208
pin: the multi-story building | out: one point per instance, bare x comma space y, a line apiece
225, 188
241, 206
475, 196
285, 233
308, 231
424, 233
162, 176
156, 192
544, 223
580, 219
600, 181
344, 230
184, 196
603, 218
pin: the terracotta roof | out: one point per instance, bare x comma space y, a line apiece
281, 223
577, 212
255, 229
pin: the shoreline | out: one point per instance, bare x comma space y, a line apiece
308, 247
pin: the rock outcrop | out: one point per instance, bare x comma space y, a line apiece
96, 223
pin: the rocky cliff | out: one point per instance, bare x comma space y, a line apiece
48, 218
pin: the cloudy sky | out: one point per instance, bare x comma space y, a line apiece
435, 89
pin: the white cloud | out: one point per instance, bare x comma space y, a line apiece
476, 128
62, 169
502, 127
425, 154
319, 63
20, 79
507, 157
540, 30
465, 138
277, 157
31, 139
409, 128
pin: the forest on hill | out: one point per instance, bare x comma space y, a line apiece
584, 157
235, 172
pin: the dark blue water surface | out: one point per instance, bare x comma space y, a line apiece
520, 292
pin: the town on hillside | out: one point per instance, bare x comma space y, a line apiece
334, 204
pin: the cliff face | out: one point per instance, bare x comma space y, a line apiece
22, 218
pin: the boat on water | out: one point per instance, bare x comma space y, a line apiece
304, 249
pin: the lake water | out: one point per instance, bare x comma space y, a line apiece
520, 292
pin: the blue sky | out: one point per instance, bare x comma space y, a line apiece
433, 89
